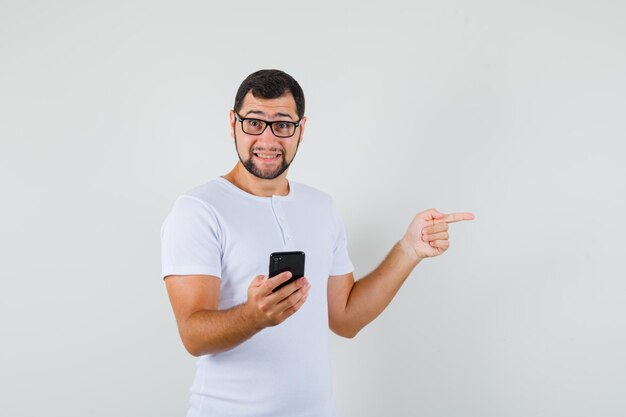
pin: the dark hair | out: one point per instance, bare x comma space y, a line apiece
270, 83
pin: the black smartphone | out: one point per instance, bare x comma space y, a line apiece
287, 261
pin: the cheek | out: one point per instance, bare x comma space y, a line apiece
243, 144
291, 148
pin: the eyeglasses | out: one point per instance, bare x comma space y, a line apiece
280, 128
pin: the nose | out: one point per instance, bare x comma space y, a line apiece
267, 137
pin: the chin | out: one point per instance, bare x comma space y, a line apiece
266, 174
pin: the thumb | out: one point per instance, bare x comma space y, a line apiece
436, 214
431, 214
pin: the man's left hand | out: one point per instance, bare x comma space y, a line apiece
428, 235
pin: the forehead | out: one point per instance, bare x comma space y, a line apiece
284, 104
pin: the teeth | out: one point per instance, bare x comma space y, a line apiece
266, 156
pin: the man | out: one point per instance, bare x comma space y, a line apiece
265, 353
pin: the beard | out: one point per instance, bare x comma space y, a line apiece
265, 174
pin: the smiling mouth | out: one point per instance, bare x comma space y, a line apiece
269, 156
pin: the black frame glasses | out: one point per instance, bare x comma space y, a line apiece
266, 124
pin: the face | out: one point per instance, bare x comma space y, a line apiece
266, 156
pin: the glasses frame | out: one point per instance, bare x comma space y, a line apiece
268, 123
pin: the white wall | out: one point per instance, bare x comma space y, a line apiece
511, 110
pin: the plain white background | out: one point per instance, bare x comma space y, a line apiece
511, 110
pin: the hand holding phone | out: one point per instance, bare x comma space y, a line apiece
265, 305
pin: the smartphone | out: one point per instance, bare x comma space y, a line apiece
287, 261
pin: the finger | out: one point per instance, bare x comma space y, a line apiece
276, 280
287, 290
436, 228
258, 280
440, 244
291, 310
434, 214
291, 300
437, 215
457, 217
436, 236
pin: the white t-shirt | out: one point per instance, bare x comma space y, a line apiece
218, 229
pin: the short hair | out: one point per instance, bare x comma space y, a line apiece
268, 84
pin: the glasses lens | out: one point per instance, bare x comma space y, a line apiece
283, 129
253, 126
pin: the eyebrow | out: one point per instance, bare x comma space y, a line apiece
262, 113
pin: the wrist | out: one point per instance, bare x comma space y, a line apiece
249, 318
409, 251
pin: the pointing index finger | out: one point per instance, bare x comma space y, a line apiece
456, 217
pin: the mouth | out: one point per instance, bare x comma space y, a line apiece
267, 156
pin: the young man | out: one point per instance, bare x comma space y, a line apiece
265, 353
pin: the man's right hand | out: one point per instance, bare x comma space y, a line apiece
269, 308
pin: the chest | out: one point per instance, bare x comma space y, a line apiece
249, 240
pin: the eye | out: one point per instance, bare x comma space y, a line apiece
253, 126
284, 129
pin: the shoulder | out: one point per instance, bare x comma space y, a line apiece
206, 193
196, 203
214, 196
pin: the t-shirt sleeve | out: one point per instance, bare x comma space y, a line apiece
190, 240
341, 263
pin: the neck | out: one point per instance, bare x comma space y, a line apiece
241, 178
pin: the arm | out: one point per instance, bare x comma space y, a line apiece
352, 305
204, 329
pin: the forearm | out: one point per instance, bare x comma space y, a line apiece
213, 331
372, 294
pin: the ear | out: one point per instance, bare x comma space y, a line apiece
302, 123
231, 116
